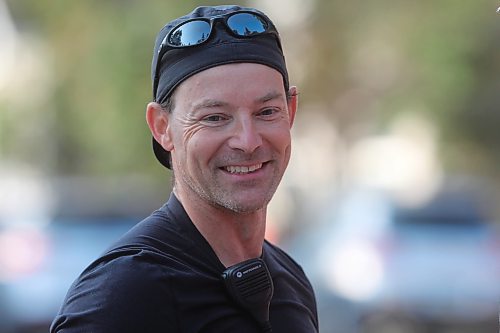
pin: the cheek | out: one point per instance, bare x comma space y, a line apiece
201, 145
280, 138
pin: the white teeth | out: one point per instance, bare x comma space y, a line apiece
243, 169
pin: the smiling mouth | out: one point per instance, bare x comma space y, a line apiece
242, 170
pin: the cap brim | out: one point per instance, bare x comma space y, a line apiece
161, 154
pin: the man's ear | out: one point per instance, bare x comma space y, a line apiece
292, 101
158, 122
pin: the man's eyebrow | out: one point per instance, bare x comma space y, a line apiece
215, 103
209, 103
270, 96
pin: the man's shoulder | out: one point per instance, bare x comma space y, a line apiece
121, 291
276, 255
165, 230
155, 232
293, 302
164, 242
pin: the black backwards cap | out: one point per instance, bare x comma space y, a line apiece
222, 47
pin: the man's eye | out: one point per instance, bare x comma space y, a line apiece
268, 112
214, 118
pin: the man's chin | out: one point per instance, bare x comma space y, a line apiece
244, 205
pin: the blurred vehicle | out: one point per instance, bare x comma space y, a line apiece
41, 255
378, 266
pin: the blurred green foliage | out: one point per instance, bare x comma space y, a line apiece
102, 53
441, 58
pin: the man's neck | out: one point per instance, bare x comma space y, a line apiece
234, 237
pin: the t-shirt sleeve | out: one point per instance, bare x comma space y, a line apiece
124, 293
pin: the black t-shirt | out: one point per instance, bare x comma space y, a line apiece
163, 276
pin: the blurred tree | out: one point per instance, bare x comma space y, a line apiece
374, 60
363, 63
102, 53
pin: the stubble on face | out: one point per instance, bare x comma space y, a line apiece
219, 196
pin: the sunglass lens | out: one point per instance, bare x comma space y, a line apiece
190, 33
246, 24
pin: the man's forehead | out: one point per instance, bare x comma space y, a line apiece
241, 74
230, 85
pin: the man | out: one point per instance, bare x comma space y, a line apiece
220, 120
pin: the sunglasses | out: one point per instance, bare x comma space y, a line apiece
241, 24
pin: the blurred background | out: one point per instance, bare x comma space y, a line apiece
390, 203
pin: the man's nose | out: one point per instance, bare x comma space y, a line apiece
246, 136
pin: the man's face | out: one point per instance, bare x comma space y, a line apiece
230, 132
